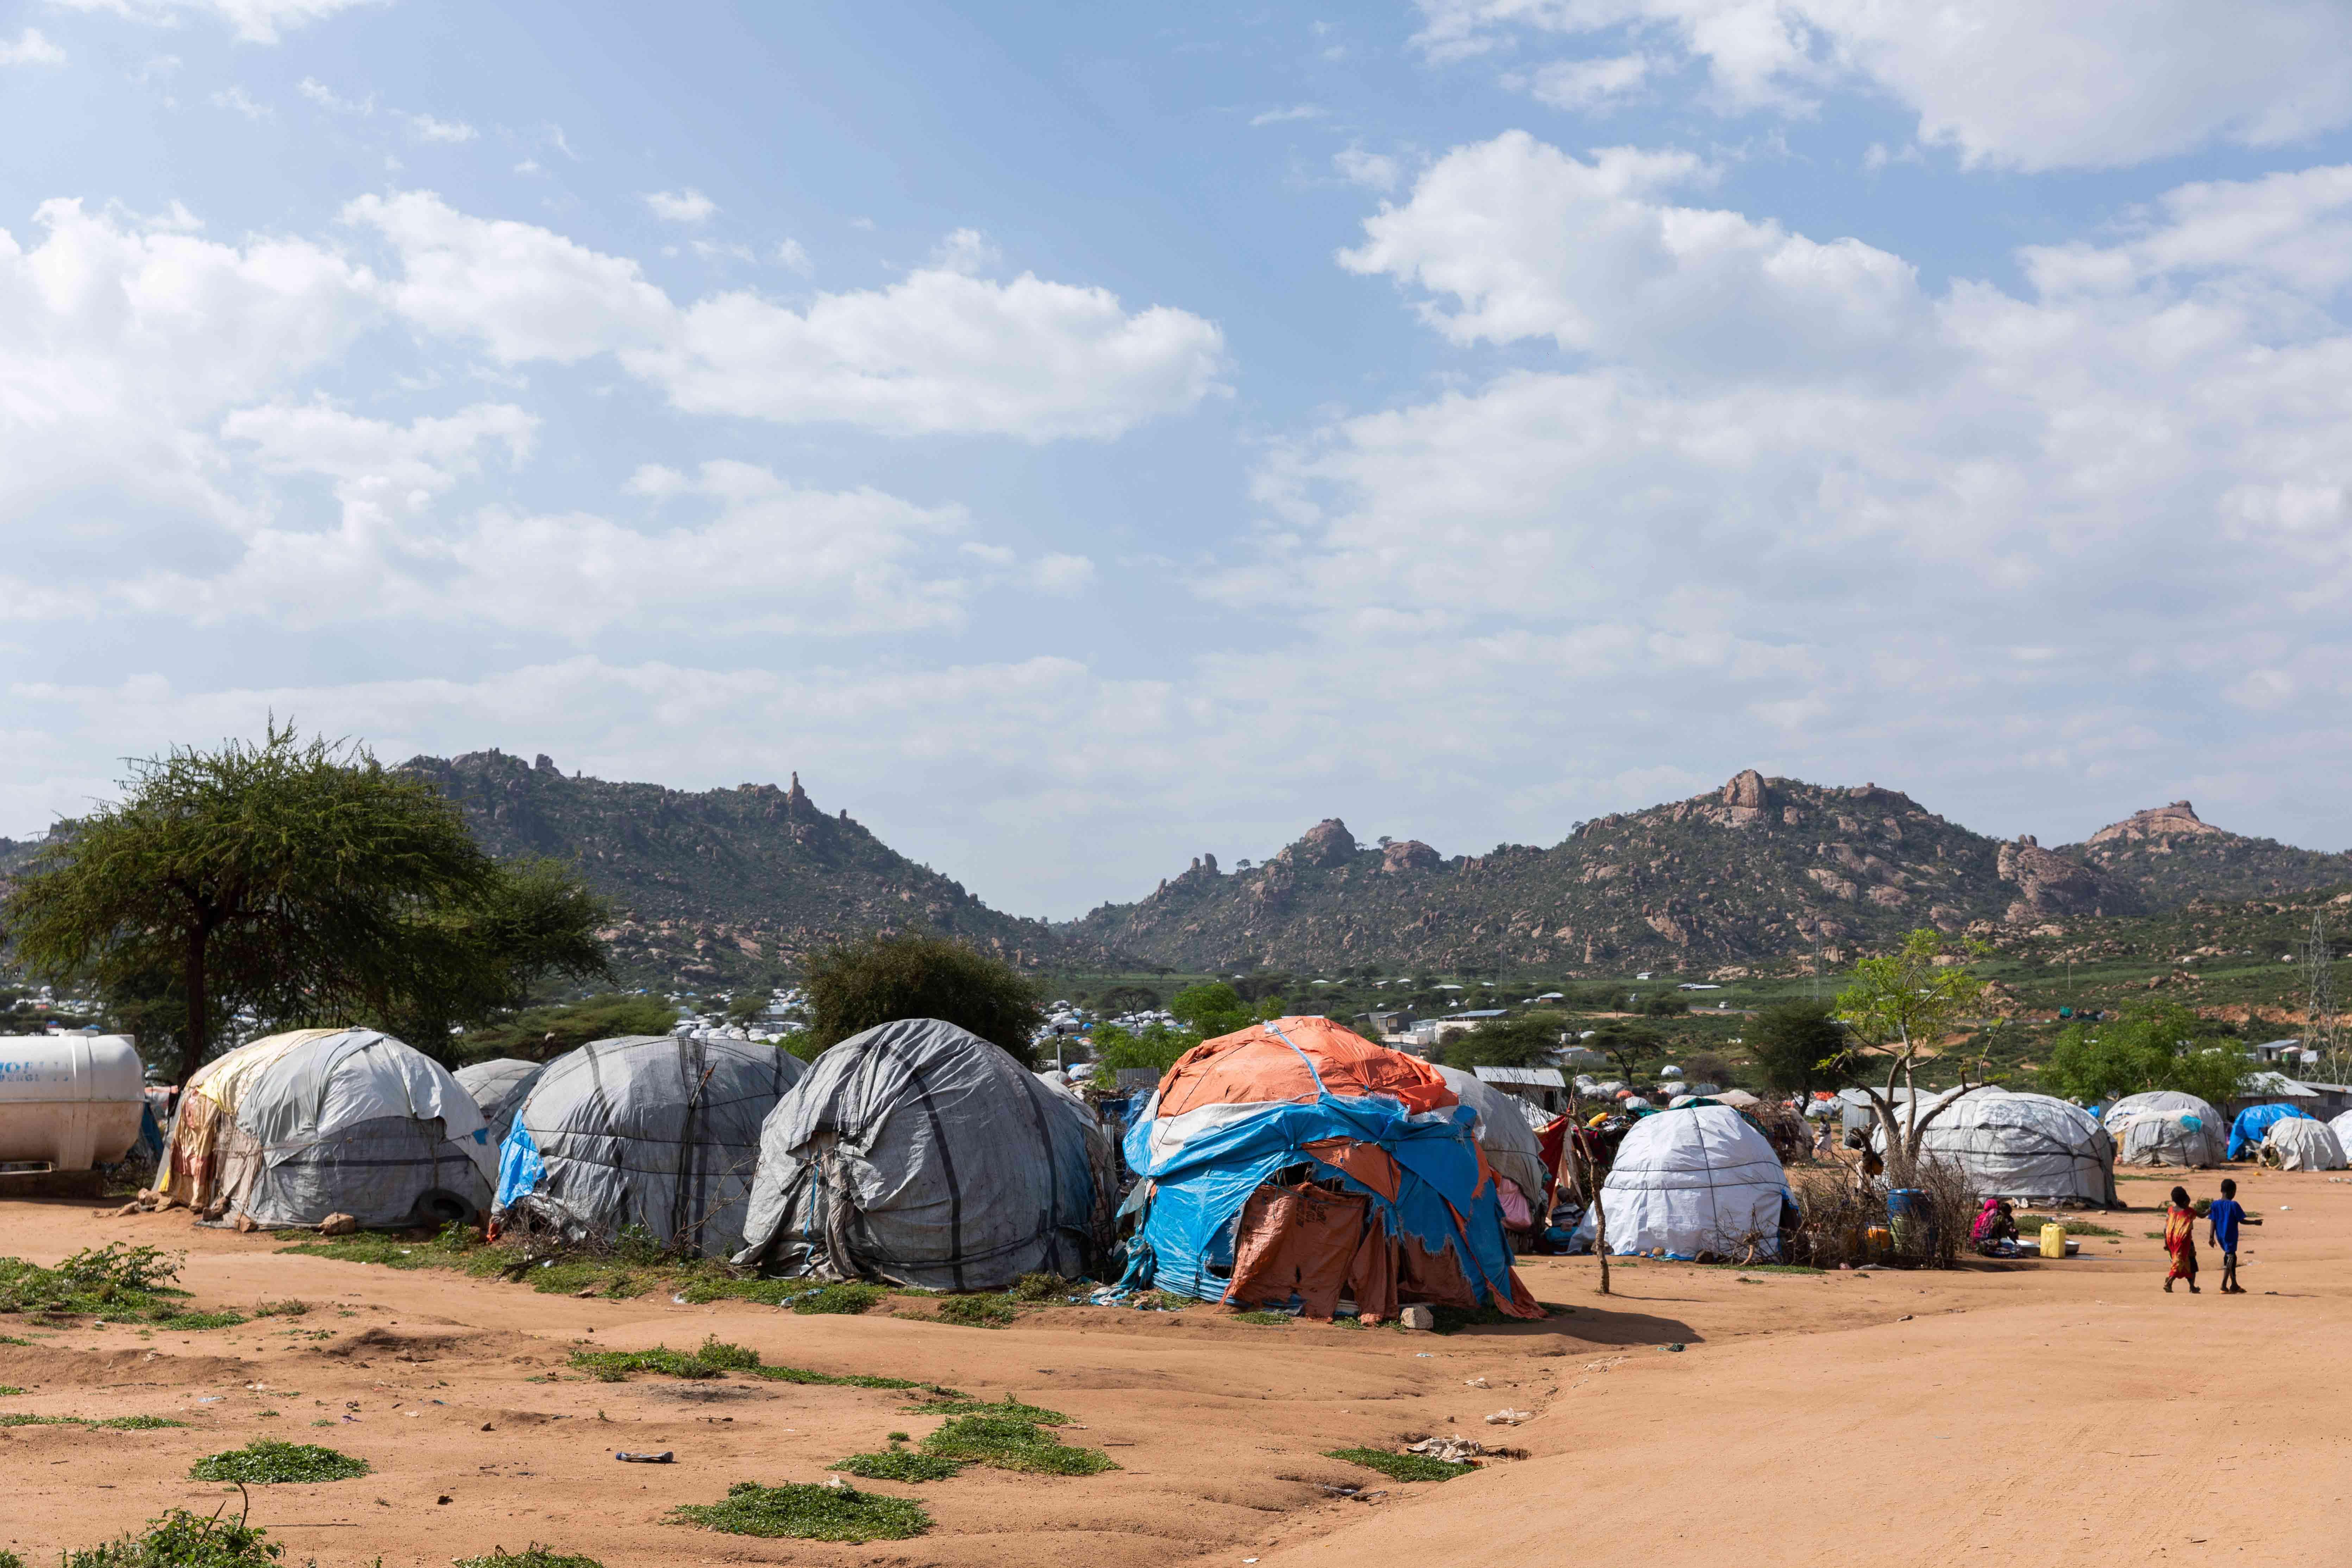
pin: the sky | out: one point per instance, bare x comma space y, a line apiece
1077, 437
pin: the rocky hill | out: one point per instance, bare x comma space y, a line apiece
728, 885
2172, 856
1758, 870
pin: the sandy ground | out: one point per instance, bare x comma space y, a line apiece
2027, 1413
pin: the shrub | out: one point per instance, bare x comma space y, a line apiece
1039, 1288
532, 1556
807, 1514
266, 1462
881, 978
844, 1297
181, 1539
1009, 1443
897, 1465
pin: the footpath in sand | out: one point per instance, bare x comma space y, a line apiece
2025, 1413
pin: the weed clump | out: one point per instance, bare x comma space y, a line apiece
897, 1465
183, 1539
1009, 1408
289, 1307
614, 1367
846, 1298
532, 1556
1040, 1288
1268, 1319
807, 1514
117, 1280
977, 1311
1008, 1443
268, 1462
1401, 1466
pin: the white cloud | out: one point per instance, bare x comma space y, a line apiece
1291, 115
2011, 82
719, 250
1373, 170
235, 96
327, 97
680, 207
966, 250
31, 48
792, 257
425, 128
254, 21
937, 352
1591, 85
1528, 241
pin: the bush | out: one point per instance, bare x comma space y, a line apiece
533, 1556
1799, 1045
854, 986
897, 1465
977, 1311
846, 1298
1834, 1221
807, 1514
1009, 1443
266, 1462
177, 1540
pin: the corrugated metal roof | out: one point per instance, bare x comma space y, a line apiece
1534, 1077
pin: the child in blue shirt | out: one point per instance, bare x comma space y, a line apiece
2225, 1214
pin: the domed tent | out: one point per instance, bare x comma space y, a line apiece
920, 1153
2342, 1128
1699, 1181
2254, 1122
1297, 1158
291, 1128
2302, 1143
498, 1086
2029, 1146
1509, 1144
2165, 1127
660, 1132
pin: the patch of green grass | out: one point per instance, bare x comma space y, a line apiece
1401, 1466
1010, 1408
807, 1514
137, 1423
532, 1556
1011, 1444
289, 1307
7, 1392
977, 1311
1743, 1268
766, 1292
190, 1321
847, 1380
374, 1247
10, 1560
20, 1419
846, 1298
614, 1367
2088, 1227
1269, 1320
128, 1284
268, 1462
897, 1465
183, 1539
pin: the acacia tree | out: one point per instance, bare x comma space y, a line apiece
883, 976
300, 879
1899, 1005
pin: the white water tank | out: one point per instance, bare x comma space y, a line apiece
68, 1102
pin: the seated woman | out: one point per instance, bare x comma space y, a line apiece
1995, 1230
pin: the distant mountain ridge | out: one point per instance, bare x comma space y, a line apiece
1758, 870
723, 885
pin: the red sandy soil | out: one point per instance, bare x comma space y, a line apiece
2024, 1413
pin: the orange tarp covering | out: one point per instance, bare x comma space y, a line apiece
1254, 1064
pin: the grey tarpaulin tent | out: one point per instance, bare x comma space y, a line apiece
657, 1130
920, 1153
292, 1128
1511, 1145
2166, 1127
498, 1086
2018, 1145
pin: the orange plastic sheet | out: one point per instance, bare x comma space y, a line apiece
1260, 1063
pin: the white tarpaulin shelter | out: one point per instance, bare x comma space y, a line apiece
1503, 1132
2031, 1146
659, 1131
2300, 1143
499, 1087
1698, 1180
2166, 1127
920, 1153
292, 1128
2342, 1128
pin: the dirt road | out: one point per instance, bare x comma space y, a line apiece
2032, 1412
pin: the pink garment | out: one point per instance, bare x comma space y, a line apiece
1516, 1215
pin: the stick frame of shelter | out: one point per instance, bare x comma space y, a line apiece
1589, 1178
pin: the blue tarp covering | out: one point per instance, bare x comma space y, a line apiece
520, 1166
1197, 1191
2246, 1134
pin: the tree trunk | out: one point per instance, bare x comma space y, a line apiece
197, 1040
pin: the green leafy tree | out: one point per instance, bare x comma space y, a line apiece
879, 978
1628, 1046
299, 879
1156, 1046
542, 1034
1122, 999
2155, 1045
1212, 1009
1530, 1040
1899, 1005
1799, 1047
747, 1007
1664, 1004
